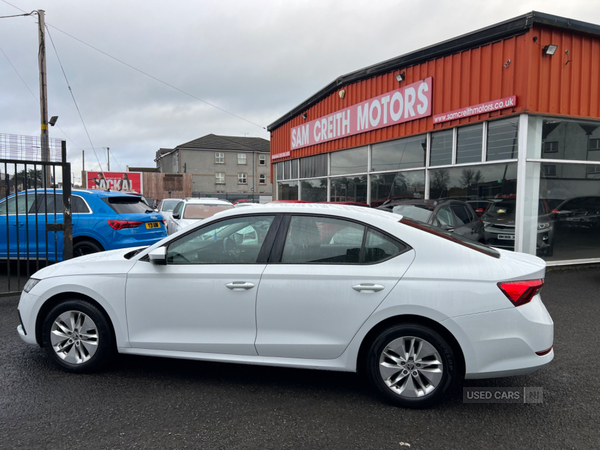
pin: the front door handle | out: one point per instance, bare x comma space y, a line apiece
239, 285
368, 288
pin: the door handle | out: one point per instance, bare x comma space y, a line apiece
368, 288
239, 285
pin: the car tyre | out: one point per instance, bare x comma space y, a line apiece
77, 336
85, 248
411, 365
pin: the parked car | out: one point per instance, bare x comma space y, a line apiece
166, 207
578, 212
102, 220
480, 206
190, 210
415, 307
243, 200
451, 215
499, 223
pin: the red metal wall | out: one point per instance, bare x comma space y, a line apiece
543, 84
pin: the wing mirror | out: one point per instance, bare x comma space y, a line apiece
175, 216
158, 256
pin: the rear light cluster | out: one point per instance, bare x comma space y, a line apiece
521, 292
121, 224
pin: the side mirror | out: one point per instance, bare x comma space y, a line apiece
176, 216
158, 256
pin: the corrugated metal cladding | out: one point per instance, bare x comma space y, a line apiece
562, 84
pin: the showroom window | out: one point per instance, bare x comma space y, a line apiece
399, 154
441, 148
287, 170
314, 190
349, 161
483, 181
397, 185
469, 144
279, 167
502, 140
313, 166
287, 191
349, 189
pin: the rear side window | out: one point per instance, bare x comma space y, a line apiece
126, 205
462, 213
78, 205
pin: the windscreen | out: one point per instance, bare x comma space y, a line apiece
422, 213
169, 205
196, 211
127, 205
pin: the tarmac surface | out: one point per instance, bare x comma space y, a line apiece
148, 403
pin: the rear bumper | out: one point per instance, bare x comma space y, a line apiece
509, 346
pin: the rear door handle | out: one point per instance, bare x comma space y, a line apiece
368, 288
239, 285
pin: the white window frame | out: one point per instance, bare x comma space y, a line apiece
242, 157
242, 178
262, 179
218, 176
218, 157
262, 160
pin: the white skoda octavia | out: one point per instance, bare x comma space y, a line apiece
302, 285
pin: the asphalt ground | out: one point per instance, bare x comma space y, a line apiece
152, 403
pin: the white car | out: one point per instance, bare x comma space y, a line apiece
166, 207
189, 210
415, 307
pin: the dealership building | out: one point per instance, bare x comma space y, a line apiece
506, 115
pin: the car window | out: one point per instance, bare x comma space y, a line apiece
232, 241
53, 204
17, 204
178, 208
444, 217
322, 240
202, 211
461, 213
126, 204
379, 247
79, 206
168, 205
421, 213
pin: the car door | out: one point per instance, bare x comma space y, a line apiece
172, 221
13, 225
204, 298
329, 276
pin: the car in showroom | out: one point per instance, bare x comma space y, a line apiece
455, 216
579, 213
190, 210
102, 220
414, 307
499, 225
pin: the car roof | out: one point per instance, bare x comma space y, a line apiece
206, 201
94, 192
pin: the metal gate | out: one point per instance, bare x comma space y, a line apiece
35, 211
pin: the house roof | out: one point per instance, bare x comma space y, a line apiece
214, 142
512, 27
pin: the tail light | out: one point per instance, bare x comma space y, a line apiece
121, 224
521, 292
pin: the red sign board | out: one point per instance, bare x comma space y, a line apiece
482, 108
115, 181
401, 105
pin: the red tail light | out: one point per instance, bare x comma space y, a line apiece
521, 292
120, 224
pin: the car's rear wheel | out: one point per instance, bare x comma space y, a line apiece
85, 248
411, 365
77, 336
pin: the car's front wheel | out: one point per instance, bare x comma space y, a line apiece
77, 336
411, 365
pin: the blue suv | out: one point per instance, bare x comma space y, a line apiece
102, 220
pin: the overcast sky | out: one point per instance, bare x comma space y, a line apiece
254, 59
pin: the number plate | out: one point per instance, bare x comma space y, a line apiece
153, 225
506, 237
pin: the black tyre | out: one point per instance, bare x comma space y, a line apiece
411, 365
85, 248
77, 336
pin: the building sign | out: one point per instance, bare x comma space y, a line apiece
280, 155
401, 105
115, 181
494, 105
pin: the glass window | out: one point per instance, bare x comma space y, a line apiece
262, 179
379, 247
570, 139
220, 178
232, 241
202, 211
322, 240
279, 167
287, 170
398, 185
401, 154
462, 213
314, 190
241, 157
469, 144
78, 205
474, 182
242, 178
287, 191
295, 163
18, 203
177, 210
441, 148
349, 189
262, 160
313, 166
219, 158
349, 161
126, 205
502, 139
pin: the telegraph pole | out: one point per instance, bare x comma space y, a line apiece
43, 96
108, 159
